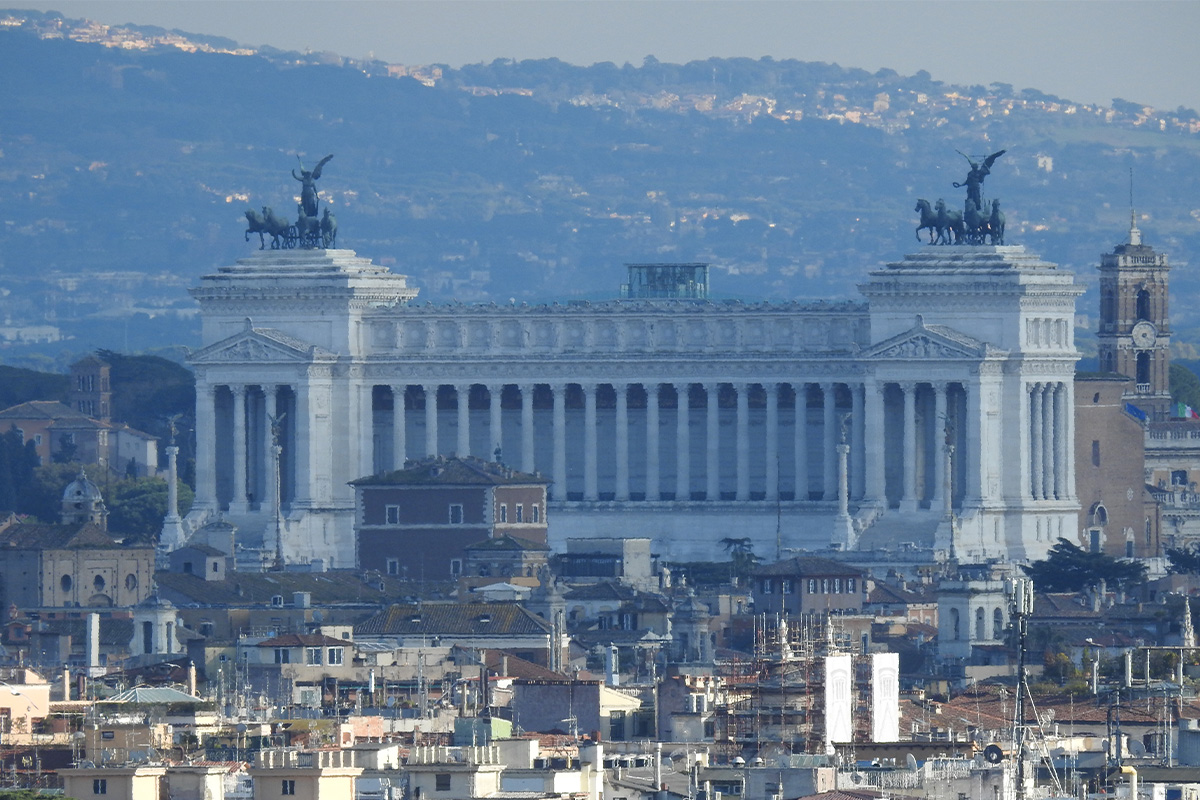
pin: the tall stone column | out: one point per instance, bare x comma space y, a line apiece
527, 462
303, 434
431, 419
908, 501
829, 436
653, 478
1067, 416
463, 405
772, 435
206, 447
742, 439
366, 427
496, 422
800, 450
1049, 453
683, 442
237, 503
712, 442
399, 433
874, 442
858, 475
1035, 441
939, 442
590, 488
621, 492
974, 435
560, 441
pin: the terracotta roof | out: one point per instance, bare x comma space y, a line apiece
808, 565
506, 542
257, 588
113, 632
451, 471
304, 640
453, 619
43, 409
38, 536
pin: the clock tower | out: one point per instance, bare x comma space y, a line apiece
1135, 335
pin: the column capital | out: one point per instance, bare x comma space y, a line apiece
526, 388
236, 388
908, 387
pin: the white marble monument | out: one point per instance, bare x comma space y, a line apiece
680, 420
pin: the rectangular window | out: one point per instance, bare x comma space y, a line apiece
786, 586
1095, 540
837, 585
535, 513
456, 567
1095, 452
392, 515
289, 787
812, 585
335, 655
766, 586
504, 512
393, 566
100, 786
283, 655
520, 509
850, 585
312, 656
441, 782
1129, 549
824, 585
456, 514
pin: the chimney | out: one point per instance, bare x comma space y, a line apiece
191, 678
66, 683
93, 642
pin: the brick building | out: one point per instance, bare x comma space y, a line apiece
419, 521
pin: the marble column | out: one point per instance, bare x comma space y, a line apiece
975, 436
590, 444
237, 503
462, 394
874, 443
939, 442
908, 500
712, 442
621, 491
431, 419
1049, 462
496, 423
560, 441
206, 441
399, 434
527, 438
366, 427
303, 433
1067, 416
857, 442
800, 450
829, 437
1035, 441
683, 442
772, 436
653, 478
742, 441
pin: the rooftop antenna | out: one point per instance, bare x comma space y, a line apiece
1135, 235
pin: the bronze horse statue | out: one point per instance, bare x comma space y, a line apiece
996, 223
278, 227
258, 224
949, 224
928, 219
975, 224
328, 229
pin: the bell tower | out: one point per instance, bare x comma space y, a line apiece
1135, 334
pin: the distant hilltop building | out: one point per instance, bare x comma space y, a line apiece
942, 401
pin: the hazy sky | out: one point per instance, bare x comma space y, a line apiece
1082, 50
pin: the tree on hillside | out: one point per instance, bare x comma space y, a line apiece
1070, 568
1185, 386
18, 459
1184, 560
19, 385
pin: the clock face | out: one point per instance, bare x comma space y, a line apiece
1144, 334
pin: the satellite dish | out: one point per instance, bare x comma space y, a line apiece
1136, 748
993, 754
911, 762
856, 778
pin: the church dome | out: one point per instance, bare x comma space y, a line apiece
82, 490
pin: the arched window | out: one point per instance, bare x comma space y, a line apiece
954, 631
98, 582
980, 630
66, 583
1143, 367
1143, 304
997, 624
